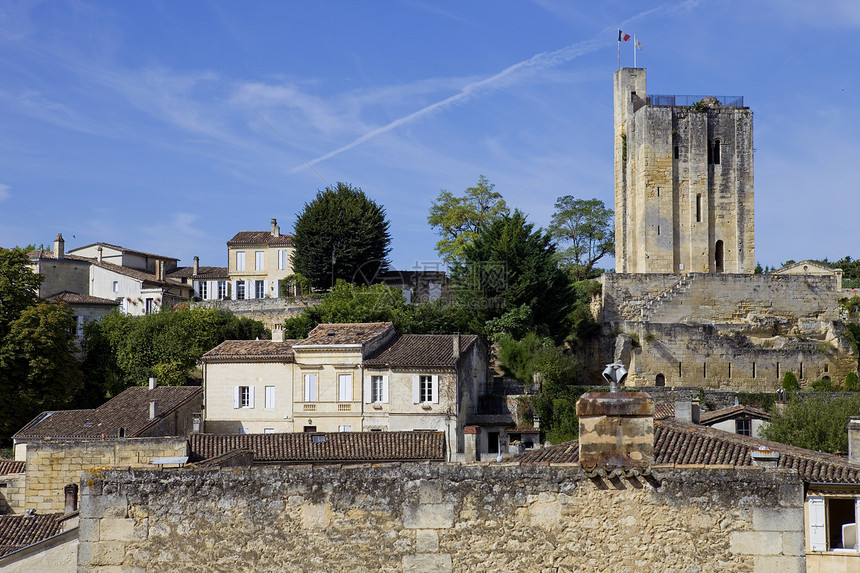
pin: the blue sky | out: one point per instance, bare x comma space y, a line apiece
169, 126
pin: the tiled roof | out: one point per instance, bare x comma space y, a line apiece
128, 410
324, 447
421, 350
135, 274
357, 333
682, 444
18, 531
77, 298
205, 273
732, 412
125, 250
663, 411
260, 238
49, 254
8, 467
251, 349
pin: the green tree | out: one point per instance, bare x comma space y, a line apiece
19, 286
510, 265
123, 351
341, 234
814, 423
458, 220
789, 382
38, 368
586, 226
852, 382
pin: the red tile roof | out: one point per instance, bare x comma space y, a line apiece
19, 531
49, 254
128, 410
260, 238
204, 273
416, 350
8, 467
732, 412
681, 444
125, 250
77, 298
324, 447
232, 350
343, 333
663, 411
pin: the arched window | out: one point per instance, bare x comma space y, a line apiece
718, 256
661, 380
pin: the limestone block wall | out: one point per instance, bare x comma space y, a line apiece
12, 493
269, 311
53, 465
440, 518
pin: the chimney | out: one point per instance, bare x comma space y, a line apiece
161, 270
196, 268
71, 495
616, 430
854, 440
153, 382
470, 446
99, 250
457, 346
277, 333
688, 410
276, 231
59, 247
153, 409
764, 457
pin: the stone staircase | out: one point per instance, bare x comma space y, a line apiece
680, 287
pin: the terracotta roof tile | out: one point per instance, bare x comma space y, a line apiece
682, 443
421, 350
663, 411
8, 467
260, 238
251, 350
204, 273
49, 254
324, 447
128, 410
77, 298
731, 412
125, 250
18, 531
346, 333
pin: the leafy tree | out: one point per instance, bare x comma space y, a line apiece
510, 265
341, 234
586, 225
18, 286
123, 351
759, 270
789, 382
458, 220
814, 423
852, 383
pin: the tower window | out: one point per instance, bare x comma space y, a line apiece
658, 230
677, 152
716, 153
699, 208
718, 256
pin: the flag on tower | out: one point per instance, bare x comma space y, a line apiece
636, 41
622, 37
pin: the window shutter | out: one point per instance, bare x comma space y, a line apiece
235, 396
817, 524
368, 389
435, 389
249, 290
385, 389
250, 396
233, 294
416, 389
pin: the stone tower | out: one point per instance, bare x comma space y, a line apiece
683, 181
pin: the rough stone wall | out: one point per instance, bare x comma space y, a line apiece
12, 494
269, 311
423, 518
53, 465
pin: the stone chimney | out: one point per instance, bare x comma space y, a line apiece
71, 498
278, 333
688, 410
161, 270
764, 457
153, 409
854, 440
457, 346
99, 250
153, 382
470, 445
616, 430
59, 247
276, 231
196, 268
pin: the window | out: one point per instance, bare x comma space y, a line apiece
240, 261
203, 289
310, 430
258, 261
282, 259
222, 290
677, 152
344, 387
115, 286
268, 430
743, 427
376, 389
240, 290
259, 289
716, 153
310, 387
425, 389
344, 428
719, 257
833, 523
149, 306
699, 208
243, 396
660, 380
270, 397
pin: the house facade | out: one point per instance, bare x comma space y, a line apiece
256, 261
345, 378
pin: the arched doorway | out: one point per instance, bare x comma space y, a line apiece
718, 257
661, 380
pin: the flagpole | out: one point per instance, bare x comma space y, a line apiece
634, 50
619, 48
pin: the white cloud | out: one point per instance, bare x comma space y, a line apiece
4, 192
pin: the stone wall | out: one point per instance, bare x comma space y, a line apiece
12, 493
422, 518
269, 311
53, 465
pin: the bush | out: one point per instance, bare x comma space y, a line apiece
789, 382
852, 383
815, 423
